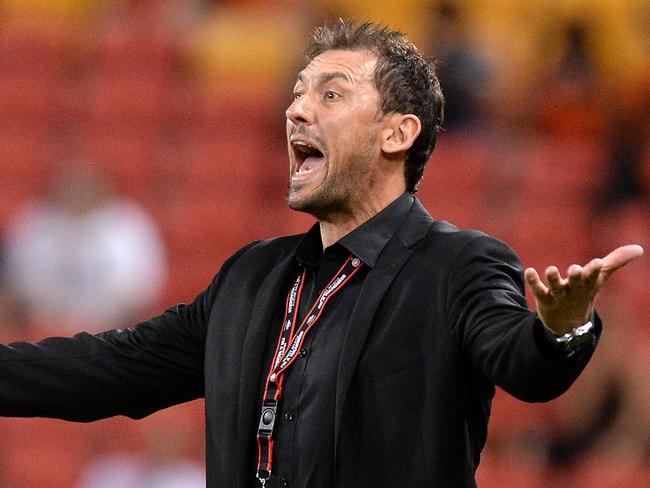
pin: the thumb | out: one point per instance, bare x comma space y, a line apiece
619, 257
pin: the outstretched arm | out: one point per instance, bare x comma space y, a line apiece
566, 303
132, 372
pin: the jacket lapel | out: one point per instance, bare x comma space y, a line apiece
271, 290
392, 259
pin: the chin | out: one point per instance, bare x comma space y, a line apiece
302, 197
298, 203
319, 205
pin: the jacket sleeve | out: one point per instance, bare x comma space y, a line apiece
503, 339
133, 371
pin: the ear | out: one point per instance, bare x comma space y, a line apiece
399, 133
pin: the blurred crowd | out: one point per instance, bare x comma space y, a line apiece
142, 142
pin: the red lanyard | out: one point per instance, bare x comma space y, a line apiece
289, 343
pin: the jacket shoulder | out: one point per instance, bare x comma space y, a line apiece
451, 242
444, 239
448, 234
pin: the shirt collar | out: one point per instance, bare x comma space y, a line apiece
366, 241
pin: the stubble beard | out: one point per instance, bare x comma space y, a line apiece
324, 200
338, 192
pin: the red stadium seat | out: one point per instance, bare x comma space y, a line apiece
130, 100
124, 152
30, 47
43, 453
457, 181
28, 98
563, 172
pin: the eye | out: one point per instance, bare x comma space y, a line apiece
297, 95
331, 95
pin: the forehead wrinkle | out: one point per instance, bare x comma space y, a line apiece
338, 64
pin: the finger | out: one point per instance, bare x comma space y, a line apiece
575, 277
535, 284
591, 272
620, 257
556, 283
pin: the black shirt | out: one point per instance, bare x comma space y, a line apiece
303, 455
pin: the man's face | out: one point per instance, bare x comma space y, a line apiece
333, 133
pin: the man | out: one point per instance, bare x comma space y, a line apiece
362, 353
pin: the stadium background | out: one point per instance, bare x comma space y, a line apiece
180, 106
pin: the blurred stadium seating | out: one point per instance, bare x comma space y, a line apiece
182, 103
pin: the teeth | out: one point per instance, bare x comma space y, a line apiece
303, 146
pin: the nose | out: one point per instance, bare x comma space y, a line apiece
301, 111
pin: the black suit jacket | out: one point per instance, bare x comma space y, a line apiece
440, 319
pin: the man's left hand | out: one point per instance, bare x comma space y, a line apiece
566, 303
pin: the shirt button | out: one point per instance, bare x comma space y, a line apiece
303, 353
289, 416
284, 482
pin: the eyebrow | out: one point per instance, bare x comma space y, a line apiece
327, 76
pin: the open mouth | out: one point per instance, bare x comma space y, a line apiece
308, 157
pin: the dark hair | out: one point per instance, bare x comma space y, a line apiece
406, 81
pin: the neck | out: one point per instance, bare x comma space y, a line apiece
334, 227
